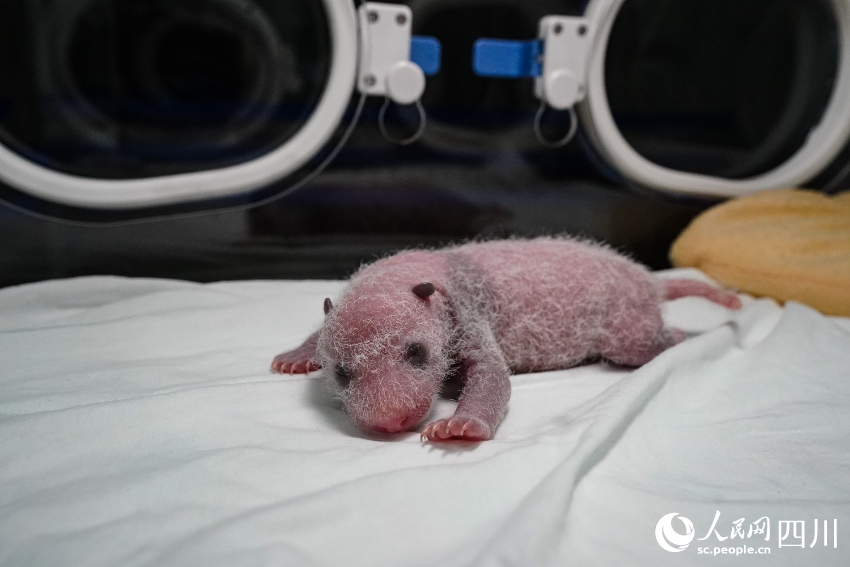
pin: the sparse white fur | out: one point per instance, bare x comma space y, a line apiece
494, 308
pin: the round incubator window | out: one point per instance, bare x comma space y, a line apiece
727, 88
128, 89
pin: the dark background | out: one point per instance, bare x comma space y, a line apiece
703, 101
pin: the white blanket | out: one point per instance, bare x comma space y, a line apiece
140, 425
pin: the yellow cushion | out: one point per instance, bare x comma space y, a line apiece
789, 244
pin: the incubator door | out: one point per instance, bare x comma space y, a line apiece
139, 103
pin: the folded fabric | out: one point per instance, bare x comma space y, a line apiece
789, 244
140, 427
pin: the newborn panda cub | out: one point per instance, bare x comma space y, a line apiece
476, 314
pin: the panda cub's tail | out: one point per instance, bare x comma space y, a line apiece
673, 289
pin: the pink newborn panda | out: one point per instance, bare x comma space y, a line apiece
408, 324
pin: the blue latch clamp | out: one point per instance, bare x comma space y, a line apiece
507, 58
425, 51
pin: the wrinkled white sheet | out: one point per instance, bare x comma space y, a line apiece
139, 425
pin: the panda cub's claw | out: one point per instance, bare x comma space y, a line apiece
293, 363
457, 429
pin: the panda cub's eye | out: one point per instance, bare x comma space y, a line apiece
342, 375
416, 354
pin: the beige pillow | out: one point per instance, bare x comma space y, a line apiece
789, 244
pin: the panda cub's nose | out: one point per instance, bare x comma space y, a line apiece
393, 424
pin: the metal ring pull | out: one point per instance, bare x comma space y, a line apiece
401, 141
562, 141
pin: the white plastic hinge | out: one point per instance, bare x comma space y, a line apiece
563, 79
385, 66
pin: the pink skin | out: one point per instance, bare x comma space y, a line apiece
674, 289
487, 310
298, 361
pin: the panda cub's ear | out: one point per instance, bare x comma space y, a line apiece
424, 290
328, 305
